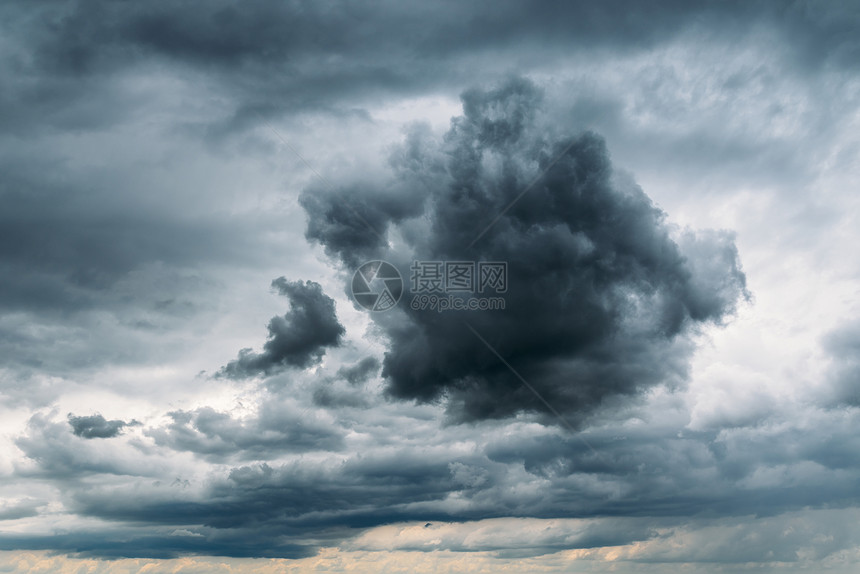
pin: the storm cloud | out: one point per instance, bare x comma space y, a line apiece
298, 338
602, 300
642, 168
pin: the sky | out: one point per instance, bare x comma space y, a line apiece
223, 347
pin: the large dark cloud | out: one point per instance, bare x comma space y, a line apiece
276, 57
297, 339
601, 300
85, 36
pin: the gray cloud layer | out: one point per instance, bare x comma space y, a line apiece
277, 429
659, 473
123, 131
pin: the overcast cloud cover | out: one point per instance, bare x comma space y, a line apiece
187, 384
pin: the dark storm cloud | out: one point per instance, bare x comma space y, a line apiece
277, 429
298, 339
300, 38
601, 300
65, 62
602, 303
85, 37
96, 426
350, 225
279, 57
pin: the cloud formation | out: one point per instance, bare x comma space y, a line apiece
278, 428
148, 178
359, 372
298, 338
96, 426
601, 302
843, 346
